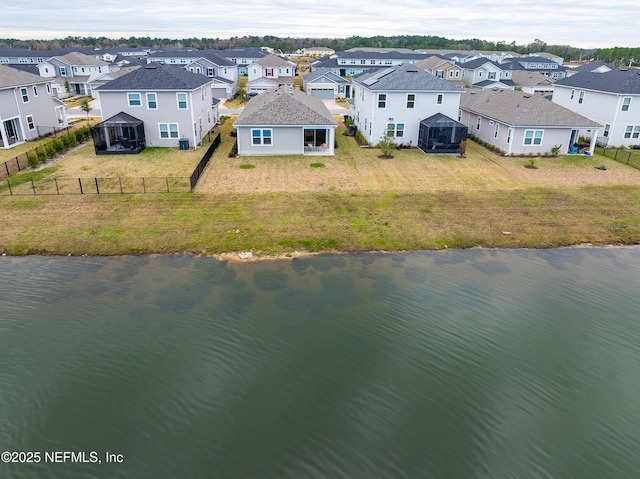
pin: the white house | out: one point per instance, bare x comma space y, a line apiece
74, 68
395, 101
271, 66
611, 98
326, 85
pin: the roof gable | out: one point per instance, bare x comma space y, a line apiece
285, 106
614, 81
404, 78
12, 77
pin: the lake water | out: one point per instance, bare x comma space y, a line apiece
519, 364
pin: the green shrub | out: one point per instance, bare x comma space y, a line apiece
51, 149
361, 138
247, 166
41, 153
234, 150
58, 145
32, 159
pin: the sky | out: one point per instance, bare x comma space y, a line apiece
582, 24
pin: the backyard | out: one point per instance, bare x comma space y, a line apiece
354, 201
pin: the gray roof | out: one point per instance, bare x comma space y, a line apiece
322, 72
516, 108
284, 106
530, 78
157, 76
12, 77
272, 60
56, 52
614, 81
77, 58
376, 54
591, 66
478, 62
403, 77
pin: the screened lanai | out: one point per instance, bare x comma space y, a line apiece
441, 134
120, 134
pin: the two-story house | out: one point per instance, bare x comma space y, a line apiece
74, 69
534, 63
173, 103
403, 103
611, 98
485, 73
442, 68
28, 109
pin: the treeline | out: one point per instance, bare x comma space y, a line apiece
617, 55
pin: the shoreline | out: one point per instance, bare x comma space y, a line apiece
238, 257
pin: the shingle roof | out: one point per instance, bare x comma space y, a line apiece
521, 109
272, 60
403, 77
478, 62
157, 76
285, 106
11, 77
391, 55
591, 66
614, 81
530, 78
321, 72
76, 58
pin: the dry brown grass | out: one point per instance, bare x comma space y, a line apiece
355, 169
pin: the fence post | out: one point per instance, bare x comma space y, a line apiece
80, 182
120, 180
33, 186
6, 165
166, 179
97, 188
55, 180
18, 163
628, 158
144, 188
9, 185
616, 155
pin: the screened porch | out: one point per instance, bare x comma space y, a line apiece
120, 134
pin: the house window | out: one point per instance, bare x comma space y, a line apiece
362, 62
533, 137
626, 103
48, 88
373, 62
439, 73
211, 72
495, 133
573, 92
581, 97
457, 73
261, 137
459, 115
440, 98
480, 74
382, 100
25, 95
30, 122
607, 128
411, 100
509, 132
492, 75
478, 122
152, 101
632, 131
134, 99
395, 130
168, 130
182, 101
450, 73
35, 90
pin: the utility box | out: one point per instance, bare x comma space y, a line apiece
184, 143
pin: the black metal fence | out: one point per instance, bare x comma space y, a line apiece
44, 131
88, 186
95, 186
195, 176
628, 157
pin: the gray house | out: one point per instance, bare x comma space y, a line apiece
28, 109
522, 123
174, 104
285, 121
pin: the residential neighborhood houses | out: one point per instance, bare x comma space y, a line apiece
521, 104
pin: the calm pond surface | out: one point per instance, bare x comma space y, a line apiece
519, 364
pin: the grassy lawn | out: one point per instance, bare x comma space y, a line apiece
355, 202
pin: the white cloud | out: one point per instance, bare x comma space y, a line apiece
582, 24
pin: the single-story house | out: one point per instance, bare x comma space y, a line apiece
326, 85
285, 121
520, 123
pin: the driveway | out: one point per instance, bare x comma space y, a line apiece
76, 112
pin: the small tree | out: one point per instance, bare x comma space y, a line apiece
462, 149
67, 87
387, 145
85, 106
